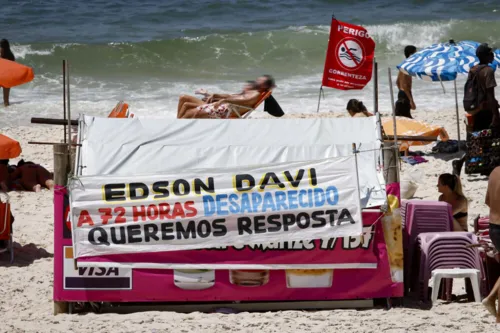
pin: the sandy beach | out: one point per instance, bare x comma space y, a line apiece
26, 286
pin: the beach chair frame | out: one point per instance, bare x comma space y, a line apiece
5, 225
248, 110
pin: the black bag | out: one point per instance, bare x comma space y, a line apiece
473, 93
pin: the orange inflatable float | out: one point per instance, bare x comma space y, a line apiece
14, 74
9, 148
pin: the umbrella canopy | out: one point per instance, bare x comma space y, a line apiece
9, 148
411, 127
443, 61
14, 74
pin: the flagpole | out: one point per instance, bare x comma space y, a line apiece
319, 98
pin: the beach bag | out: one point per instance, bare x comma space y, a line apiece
473, 94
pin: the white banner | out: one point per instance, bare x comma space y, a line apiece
212, 208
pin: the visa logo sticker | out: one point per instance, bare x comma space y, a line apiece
94, 278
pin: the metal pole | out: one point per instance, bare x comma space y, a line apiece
393, 107
375, 87
319, 98
358, 187
458, 117
64, 97
392, 165
69, 113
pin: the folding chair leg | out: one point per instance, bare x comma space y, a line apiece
435, 287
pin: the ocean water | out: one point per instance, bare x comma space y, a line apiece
148, 53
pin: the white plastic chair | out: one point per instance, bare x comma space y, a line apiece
456, 273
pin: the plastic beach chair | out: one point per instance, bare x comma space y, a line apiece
455, 273
421, 217
5, 225
233, 108
448, 250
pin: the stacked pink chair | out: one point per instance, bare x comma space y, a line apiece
441, 250
422, 217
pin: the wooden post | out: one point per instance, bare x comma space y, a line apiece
391, 172
61, 164
60, 307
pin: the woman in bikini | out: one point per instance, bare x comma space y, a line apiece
188, 102
450, 188
222, 108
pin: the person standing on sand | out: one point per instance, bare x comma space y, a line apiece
6, 53
405, 101
493, 201
487, 115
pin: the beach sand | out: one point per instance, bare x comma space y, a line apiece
26, 287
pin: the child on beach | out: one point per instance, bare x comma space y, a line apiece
6, 53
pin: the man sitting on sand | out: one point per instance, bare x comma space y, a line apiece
221, 108
405, 101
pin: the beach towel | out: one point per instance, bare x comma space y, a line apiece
413, 160
411, 127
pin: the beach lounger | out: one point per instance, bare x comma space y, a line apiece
234, 113
5, 225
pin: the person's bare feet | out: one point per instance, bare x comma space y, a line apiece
37, 188
50, 184
489, 304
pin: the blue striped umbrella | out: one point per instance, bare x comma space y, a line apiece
443, 61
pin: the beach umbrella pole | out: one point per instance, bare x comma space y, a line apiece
393, 107
458, 116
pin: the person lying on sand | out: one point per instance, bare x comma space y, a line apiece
356, 109
221, 108
188, 102
32, 176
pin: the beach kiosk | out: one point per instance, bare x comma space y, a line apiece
279, 214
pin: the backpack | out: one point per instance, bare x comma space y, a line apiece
473, 92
